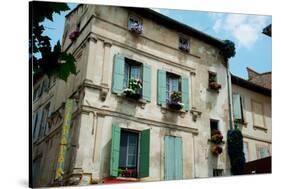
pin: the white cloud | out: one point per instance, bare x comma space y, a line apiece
246, 29
157, 10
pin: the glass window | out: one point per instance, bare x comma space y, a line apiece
133, 70
173, 84
128, 150
263, 152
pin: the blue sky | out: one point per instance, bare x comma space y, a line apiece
253, 49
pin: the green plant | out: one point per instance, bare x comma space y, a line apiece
176, 96
235, 151
135, 85
228, 49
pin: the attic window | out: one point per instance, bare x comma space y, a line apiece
184, 44
135, 24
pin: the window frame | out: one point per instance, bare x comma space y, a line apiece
171, 76
132, 132
262, 114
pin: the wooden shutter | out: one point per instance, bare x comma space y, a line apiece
169, 158
237, 106
115, 147
185, 92
146, 91
161, 88
178, 158
144, 153
173, 158
38, 125
118, 74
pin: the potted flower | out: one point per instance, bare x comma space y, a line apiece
216, 150
134, 89
136, 27
216, 136
213, 83
175, 101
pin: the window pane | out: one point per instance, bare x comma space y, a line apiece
131, 161
135, 72
126, 76
245, 150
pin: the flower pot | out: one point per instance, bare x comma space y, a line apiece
174, 105
214, 85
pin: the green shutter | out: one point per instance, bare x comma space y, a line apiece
237, 106
146, 91
161, 88
178, 158
169, 158
118, 74
173, 158
115, 146
144, 153
185, 92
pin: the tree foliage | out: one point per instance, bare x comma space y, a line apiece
52, 61
228, 49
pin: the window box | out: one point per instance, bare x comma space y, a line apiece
214, 86
175, 101
134, 89
216, 136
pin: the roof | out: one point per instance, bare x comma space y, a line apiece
249, 85
170, 23
262, 79
267, 30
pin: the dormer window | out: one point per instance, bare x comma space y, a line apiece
135, 24
184, 44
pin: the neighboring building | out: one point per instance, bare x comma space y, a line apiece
113, 135
261, 79
252, 112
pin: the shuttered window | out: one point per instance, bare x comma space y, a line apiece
127, 149
173, 158
125, 69
246, 151
237, 107
167, 83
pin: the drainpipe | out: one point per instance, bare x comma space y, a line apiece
229, 91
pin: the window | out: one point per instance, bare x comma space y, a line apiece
40, 123
133, 70
214, 125
217, 172
131, 78
43, 86
258, 118
129, 152
213, 83
216, 135
44, 123
184, 44
262, 152
135, 24
246, 151
172, 90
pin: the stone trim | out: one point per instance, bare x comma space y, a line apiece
104, 112
256, 138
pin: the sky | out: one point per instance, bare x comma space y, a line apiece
253, 49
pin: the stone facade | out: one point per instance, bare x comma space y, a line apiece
103, 35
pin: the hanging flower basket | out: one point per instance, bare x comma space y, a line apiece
175, 101
216, 150
216, 136
134, 89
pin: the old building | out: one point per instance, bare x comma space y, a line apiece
148, 92
252, 112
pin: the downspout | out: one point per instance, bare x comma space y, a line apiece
229, 91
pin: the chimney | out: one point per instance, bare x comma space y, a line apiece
251, 73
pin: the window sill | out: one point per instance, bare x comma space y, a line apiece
260, 128
140, 101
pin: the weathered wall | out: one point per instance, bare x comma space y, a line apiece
254, 135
